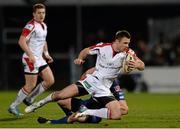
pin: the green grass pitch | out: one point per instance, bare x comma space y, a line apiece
145, 111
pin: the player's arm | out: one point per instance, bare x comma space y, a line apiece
23, 44
46, 53
139, 64
82, 55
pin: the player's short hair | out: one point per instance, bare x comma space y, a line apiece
122, 33
38, 6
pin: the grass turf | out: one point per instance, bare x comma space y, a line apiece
145, 111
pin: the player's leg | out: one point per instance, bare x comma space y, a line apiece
55, 96
72, 104
30, 83
112, 110
65, 105
120, 96
89, 103
115, 110
48, 80
63, 120
101, 92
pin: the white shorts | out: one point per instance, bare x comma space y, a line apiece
30, 67
95, 87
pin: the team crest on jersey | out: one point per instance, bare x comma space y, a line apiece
29, 27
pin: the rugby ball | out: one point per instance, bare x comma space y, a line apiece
126, 68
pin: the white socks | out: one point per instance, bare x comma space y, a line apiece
37, 91
103, 112
46, 100
22, 94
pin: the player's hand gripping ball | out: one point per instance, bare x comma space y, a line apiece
126, 68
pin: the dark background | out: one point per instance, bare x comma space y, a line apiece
99, 23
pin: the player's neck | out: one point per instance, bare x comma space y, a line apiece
114, 47
38, 21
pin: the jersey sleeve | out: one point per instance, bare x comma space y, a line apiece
27, 30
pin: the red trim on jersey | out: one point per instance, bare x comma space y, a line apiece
114, 52
26, 31
30, 64
100, 45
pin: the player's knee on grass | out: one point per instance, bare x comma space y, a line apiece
114, 110
115, 114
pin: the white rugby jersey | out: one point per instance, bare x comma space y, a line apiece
35, 34
108, 63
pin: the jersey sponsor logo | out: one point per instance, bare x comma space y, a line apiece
29, 26
108, 67
87, 85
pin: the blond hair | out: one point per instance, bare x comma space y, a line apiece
38, 6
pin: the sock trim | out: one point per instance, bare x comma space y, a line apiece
24, 91
109, 114
42, 84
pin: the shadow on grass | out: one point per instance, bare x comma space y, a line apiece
10, 119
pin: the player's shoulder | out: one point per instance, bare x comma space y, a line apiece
30, 25
100, 45
104, 44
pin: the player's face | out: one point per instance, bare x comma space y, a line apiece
122, 44
39, 15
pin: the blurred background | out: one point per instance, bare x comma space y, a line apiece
75, 24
